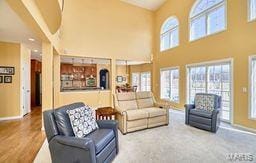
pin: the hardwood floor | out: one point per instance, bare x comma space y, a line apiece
20, 140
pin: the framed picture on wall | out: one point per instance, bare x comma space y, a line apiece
7, 79
119, 79
7, 70
1, 79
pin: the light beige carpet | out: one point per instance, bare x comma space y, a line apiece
177, 143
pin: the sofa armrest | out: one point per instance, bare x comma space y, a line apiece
62, 147
162, 105
120, 110
110, 124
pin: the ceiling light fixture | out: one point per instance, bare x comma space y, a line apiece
31, 39
36, 51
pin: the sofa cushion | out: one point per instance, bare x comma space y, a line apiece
82, 121
128, 105
205, 102
136, 114
145, 103
144, 94
128, 96
101, 138
127, 101
144, 99
62, 119
201, 113
155, 112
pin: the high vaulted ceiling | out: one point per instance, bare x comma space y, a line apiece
12, 29
147, 4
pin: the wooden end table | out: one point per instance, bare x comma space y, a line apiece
106, 113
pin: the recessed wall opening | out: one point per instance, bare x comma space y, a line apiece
133, 76
83, 73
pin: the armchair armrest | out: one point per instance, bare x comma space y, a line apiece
188, 107
83, 143
62, 147
110, 124
215, 120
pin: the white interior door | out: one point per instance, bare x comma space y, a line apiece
25, 89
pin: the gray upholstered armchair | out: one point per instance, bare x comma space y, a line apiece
205, 112
97, 147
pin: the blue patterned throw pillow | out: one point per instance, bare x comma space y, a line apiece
82, 121
205, 102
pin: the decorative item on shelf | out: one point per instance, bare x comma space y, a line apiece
7, 79
119, 79
4, 70
90, 82
1, 79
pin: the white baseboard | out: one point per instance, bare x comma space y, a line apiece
10, 118
244, 128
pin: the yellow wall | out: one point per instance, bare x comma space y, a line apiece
107, 29
91, 98
237, 42
147, 67
10, 93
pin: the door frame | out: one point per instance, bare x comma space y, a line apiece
214, 62
22, 82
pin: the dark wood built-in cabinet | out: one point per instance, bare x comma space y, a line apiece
36, 69
76, 77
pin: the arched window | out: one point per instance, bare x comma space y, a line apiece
252, 10
207, 17
169, 34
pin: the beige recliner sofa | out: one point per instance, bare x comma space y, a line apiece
137, 111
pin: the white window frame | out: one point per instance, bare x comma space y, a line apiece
249, 12
170, 31
206, 13
251, 59
147, 72
170, 69
138, 86
231, 61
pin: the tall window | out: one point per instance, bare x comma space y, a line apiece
170, 84
145, 79
142, 81
136, 80
207, 17
169, 34
252, 10
253, 88
212, 78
